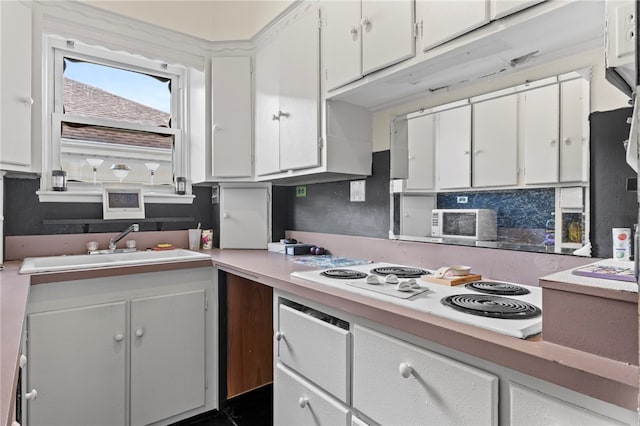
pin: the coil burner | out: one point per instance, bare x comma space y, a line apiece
499, 289
491, 306
344, 274
400, 271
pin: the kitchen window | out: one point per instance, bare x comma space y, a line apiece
114, 117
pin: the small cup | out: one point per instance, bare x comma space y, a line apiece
194, 239
92, 246
131, 244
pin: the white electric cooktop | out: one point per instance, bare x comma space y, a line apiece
428, 297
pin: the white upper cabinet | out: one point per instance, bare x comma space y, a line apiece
540, 123
500, 8
574, 130
495, 142
453, 148
443, 20
15, 84
421, 144
362, 37
287, 98
231, 151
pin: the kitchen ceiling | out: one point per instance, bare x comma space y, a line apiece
212, 20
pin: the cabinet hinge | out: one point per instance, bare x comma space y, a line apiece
417, 26
320, 23
206, 304
206, 382
320, 142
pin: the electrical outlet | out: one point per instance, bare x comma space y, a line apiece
462, 199
357, 190
301, 191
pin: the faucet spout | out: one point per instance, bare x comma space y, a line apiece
114, 240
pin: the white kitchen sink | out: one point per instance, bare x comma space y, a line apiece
31, 265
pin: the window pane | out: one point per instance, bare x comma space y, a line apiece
140, 151
93, 90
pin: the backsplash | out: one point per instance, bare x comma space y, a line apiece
522, 213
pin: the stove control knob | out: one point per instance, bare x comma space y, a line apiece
405, 370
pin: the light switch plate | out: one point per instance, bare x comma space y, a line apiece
357, 190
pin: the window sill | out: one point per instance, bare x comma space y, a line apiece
96, 197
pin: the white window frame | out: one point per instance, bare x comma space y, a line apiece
55, 50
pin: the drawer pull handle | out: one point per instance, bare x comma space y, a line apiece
303, 401
405, 370
279, 336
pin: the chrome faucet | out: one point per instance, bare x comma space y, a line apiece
114, 240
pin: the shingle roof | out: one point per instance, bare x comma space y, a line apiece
84, 100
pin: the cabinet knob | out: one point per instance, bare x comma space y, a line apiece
279, 335
303, 401
28, 101
412, 157
23, 361
467, 152
566, 141
477, 151
31, 395
406, 215
118, 337
365, 22
405, 370
225, 215
216, 128
283, 114
354, 32
275, 117
552, 142
140, 332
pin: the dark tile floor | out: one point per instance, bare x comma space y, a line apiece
250, 409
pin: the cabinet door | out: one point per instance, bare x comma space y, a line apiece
574, 119
77, 363
15, 84
453, 148
396, 383
415, 214
387, 33
500, 8
244, 221
342, 42
443, 20
231, 117
167, 355
531, 407
421, 142
540, 114
300, 93
297, 403
495, 142
267, 80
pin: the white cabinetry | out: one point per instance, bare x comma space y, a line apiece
418, 384
231, 152
104, 350
554, 124
364, 36
532, 407
287, 98
15, 85
500, 8
415, 214
79, 352
453, 147
245, 219
442, 21
421, 145
495, 142
620, 38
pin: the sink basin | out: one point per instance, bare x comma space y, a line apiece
31, 265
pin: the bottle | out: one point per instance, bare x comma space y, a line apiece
550, 232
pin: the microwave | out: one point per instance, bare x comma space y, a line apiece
467, 224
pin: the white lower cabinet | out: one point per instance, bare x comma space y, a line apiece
532, 408
395, 382
298, 403
140, 357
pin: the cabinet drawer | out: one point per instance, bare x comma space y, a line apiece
316, 349
397, 383
297, 403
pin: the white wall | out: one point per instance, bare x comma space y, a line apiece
604, 96
213, 20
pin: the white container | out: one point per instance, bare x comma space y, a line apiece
194, 239
621, 243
